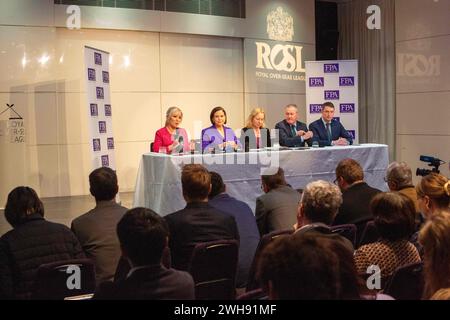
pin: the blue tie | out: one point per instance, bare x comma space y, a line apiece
328, 131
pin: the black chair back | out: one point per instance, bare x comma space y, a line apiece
62, 279
213, 267
253, 282
347, 231
370, 234
406, 283
360, 226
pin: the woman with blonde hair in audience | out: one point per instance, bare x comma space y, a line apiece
435, 239
433, 194
255, 135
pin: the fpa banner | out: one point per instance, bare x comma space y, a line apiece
99, 108
337, 82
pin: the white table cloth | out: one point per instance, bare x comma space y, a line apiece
158, 184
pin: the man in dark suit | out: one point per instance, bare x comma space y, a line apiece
317, 210
246, 223
143, 236
96, 229
329, 132
277, 208
293, 133
356, 194
198, 221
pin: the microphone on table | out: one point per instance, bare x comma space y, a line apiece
181, 141
247, 143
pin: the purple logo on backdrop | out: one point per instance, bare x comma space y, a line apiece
110, 142
96, 144
331, 68
91, 74
94, 109
100, 93
315, 108
347, 108
352, 133
108, 110
105, 76
105, 161
98, 58
102, 126
331, 94
316, 82
346, 81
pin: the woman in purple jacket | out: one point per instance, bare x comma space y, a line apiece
218, 137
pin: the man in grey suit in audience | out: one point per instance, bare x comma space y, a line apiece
277, 208
96, 229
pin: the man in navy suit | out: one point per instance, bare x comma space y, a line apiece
246, 223
329, 132
198, 222
293, 133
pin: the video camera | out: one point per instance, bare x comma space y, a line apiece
432, 162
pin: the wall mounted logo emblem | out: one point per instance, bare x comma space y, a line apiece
280, 25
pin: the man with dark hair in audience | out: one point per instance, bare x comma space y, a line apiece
317, 209
33, 241
245, 220
277, 208
356, 194
306, 269
198, 222
399, 178
143, 236
96, 229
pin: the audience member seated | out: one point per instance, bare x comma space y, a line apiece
198, 221
305, 269
317, 209
218, 137
291, 132
277, 208
435, 239
441, 294
32, 242
246, 224
352, 286
255, 135
143, 236
399, 178
96, 229
433, 194
394, 218
171, 136
329, 131
356, 194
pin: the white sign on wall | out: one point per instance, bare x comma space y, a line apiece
99, 107
337, 82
